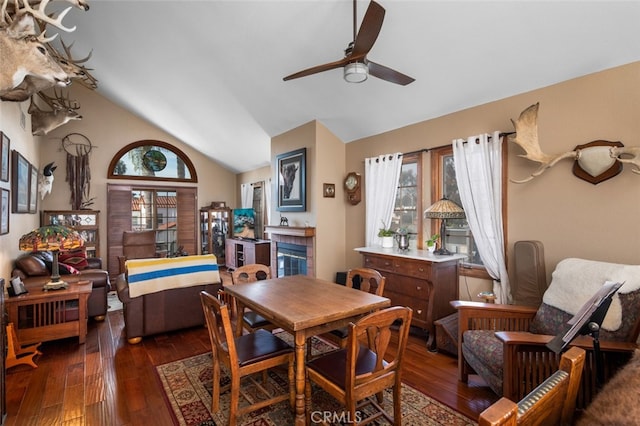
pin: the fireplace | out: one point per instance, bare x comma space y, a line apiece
292, 259
292, 250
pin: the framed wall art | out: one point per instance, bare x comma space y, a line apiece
4, 157
20, 169
4, 211
33, 189
291, 169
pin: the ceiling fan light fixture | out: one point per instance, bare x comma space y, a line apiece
356, 72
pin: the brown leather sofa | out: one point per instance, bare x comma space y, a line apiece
34, 273
160, 312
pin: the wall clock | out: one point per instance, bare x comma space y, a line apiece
353, 188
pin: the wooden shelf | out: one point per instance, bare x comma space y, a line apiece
292, 231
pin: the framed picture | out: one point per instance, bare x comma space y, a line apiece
4, 157
33, 189
20, 169
4, 211
291, 169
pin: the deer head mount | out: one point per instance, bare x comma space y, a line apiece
594, 162
62, 111
29, 63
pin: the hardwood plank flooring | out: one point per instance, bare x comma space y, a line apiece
107, 381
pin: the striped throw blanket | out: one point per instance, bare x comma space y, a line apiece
153, 275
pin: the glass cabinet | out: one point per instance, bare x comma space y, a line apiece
86, 222
214, 230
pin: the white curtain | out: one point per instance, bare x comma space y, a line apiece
267, 200
381, 176
478, 165
246, 195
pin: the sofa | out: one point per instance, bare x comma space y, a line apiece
164, 309
35, 270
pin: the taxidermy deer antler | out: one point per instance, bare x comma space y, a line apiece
527, 138
618, 152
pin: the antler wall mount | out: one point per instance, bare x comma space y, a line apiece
594, 162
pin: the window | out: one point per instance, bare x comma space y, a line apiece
152, 160
407, 210
459, 236
156, 209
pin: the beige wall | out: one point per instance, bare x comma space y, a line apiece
571, 217
325, 164
110, 128
21, 141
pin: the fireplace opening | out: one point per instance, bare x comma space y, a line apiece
292, 259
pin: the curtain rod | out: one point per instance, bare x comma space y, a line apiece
502, 134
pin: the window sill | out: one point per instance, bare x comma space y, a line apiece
474, 271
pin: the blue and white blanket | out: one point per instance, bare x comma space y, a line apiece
157, 274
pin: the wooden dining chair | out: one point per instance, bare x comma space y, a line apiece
553, 402
252, 321
366, 366
366, 279
243, 356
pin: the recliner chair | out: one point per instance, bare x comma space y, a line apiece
137, 245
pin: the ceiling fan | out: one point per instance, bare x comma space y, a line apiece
356, 65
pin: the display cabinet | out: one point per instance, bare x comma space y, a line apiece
86, 222
214, 230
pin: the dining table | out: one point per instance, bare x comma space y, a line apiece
304, 306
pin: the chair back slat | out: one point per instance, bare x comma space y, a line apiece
220, 329
371, 280
250, 273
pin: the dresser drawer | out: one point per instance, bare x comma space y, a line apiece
412, 268
407, 286
379, 263
419, 306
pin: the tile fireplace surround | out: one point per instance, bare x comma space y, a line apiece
304, 236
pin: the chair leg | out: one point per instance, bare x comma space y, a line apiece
397, 403
235, 401
215, 406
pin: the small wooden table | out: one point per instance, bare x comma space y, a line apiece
40, 316
305, 307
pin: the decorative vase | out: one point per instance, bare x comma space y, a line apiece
387, 242
432, 248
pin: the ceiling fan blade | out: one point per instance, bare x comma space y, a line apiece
369, 29
318, 68
386, 73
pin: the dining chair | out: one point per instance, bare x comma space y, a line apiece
252, 321
553, 402
366, 366
366, 279
243, 356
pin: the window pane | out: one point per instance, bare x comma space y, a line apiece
405, 214
459, 236
156, 210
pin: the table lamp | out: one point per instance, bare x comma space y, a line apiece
52, 238
444, 209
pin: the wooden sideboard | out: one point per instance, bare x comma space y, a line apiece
246, 252
417, 279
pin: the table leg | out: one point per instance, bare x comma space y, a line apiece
300, 340
82, 318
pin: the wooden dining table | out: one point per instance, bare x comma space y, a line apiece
304, 306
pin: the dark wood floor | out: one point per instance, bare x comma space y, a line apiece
107, 381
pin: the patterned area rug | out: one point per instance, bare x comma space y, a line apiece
188, 389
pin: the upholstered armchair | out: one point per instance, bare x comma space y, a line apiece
137, 245
506, 344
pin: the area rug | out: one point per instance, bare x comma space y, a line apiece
187, 386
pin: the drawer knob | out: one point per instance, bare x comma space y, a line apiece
419, 311
418, 288
421, 269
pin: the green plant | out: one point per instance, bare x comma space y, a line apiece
385, 231
432, 240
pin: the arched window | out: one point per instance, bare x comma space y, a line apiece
152, 160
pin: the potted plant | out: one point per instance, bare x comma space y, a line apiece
387, 236
431, 242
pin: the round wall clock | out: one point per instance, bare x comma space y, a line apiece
154, 160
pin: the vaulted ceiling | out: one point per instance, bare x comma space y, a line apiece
210, 72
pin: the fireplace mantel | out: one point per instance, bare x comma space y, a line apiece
291, 231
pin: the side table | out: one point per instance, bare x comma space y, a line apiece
40, 316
